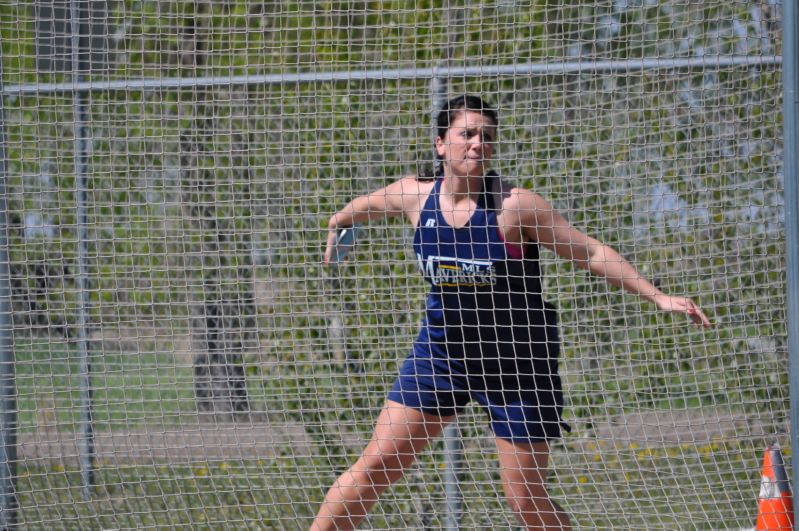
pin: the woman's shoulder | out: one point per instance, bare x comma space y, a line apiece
411, 185
406, 194
518, 198
522, 207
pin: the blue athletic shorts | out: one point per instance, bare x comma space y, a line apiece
522, 408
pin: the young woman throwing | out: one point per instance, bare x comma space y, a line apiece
487, 334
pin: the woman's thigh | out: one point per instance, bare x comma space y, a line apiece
400, 433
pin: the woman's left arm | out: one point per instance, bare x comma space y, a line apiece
548, 227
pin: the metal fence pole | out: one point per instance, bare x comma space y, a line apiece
790, 82
453, 455
8, 388
453, 444
84, 363
86, 446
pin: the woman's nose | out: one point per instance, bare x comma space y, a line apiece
481, 141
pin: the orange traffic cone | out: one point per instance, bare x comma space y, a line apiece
775, 506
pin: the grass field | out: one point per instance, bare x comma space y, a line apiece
605, 480
667, 488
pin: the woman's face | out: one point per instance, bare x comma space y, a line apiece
468, 145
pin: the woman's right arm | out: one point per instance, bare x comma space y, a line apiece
391, 201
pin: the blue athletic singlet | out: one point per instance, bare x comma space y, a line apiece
484, 306
487, 334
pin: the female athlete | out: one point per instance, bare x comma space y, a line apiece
487, 334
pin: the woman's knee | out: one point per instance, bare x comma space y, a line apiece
529, 502
400, 434
535, 509
381, 469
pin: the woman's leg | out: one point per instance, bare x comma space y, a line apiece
523, 469
400, 434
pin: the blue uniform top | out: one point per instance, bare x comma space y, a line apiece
485, 305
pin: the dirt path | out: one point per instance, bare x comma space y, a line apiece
197, 441
173, 444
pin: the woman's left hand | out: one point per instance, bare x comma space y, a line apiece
683, 305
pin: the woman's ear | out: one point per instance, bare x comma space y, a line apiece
440, 148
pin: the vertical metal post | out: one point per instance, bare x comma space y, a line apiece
790, 83
453, 455
8, 387
453, 443
86, 446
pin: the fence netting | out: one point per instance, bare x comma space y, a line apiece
170, 169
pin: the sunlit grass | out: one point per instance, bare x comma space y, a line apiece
703, 486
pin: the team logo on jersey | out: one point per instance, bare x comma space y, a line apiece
446, 271
431, 222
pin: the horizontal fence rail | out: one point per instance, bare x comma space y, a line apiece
573, 67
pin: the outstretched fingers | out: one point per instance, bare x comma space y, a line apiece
688, 307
